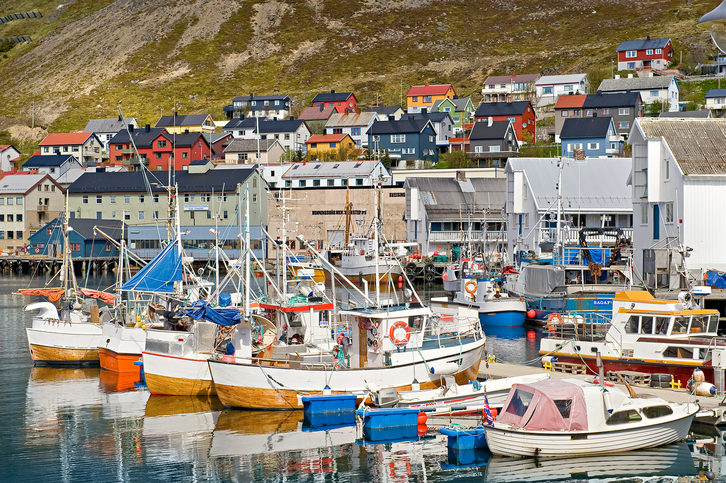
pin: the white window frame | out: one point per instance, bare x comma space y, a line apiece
669, 215
624, 111
658, 51
649, 52
593, 145
494, 149
644, 214
631, 54
398, 138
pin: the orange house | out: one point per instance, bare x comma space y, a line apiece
324, 145
424, 97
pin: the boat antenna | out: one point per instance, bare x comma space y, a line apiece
558, 235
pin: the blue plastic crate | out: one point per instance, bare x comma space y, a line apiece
316, 421
463, 439
390, 435
329, 404
388, 417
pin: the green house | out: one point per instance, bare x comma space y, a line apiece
461, 111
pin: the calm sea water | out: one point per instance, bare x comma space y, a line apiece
89, 425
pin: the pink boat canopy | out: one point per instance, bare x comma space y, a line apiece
549, 405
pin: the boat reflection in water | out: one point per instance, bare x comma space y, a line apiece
514, 332
673, 460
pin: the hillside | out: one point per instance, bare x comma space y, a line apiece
87, 55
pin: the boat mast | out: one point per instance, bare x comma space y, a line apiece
558, 236
348, 212
66, 249
248, 260
284, 246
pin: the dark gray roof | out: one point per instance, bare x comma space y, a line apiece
585, 127
447, 197
213, 137
249, 145
261, 98
716, 93
84, 227
332, 96
185, 139
641, 44
703, 113
501, 108
113, 124
636, 83
384, 110
482, 131
398, 127
431, 116
266, 125
134, 181
182, 120
459, 103
240, 122
620, 99
47, 161
142, 137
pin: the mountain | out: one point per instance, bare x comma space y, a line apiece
87, 55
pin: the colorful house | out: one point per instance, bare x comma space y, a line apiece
83, 240
404, 139
177, 124
645, 54
84, 146
156, 148
461, 111
356, 124
56, 165
341, 101
519, 113
317, 117
510, 88
594, 137
424, 97
271, 107
325, 145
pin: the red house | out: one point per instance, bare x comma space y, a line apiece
157, 147
520, 113
339, 100
645, 54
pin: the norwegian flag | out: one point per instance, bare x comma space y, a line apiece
488, 412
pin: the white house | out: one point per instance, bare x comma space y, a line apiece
244, 151
105, 129
56, 165
329, 174
678, 186
290, 133
651, 89
550, 87
7, 154
354, 124
595, 194
716, 99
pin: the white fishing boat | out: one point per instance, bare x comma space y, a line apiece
571, 417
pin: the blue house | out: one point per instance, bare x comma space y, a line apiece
83, 241
596, 136
404, 139
53, 164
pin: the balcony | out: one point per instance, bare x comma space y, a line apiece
571, 236
456, 236
42, 208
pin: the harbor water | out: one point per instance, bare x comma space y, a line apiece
71, 424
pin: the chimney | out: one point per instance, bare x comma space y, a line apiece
332, 91
131, 128
322, 107
594, 113
251, 95
186, 131
357, 110
292, 118
490, 121
148, 127
427, 84
647, 37
120, 118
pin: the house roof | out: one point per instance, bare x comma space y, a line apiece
502, 108
585, 127
570, 101
505, 79
716, 93
185, 139
429, 90
135, 181
459, 103
641, 44
251, 97
332, 96
348, 119
113, 124
84, 227
266, 125
385, 110
636, 83
702, 114
590, 185
65, 138
142, 137
182, 120
213, 137
444, 198
615, 99
317, 113
249, 145
326, 138
47, 161
547, 80
399, 127
433, 116
3, 147
482, 131
20, 183
331, 169
699, 145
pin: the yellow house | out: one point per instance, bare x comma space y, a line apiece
325, 145
424, 97
177, 124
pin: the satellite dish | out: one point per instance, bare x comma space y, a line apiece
717, 17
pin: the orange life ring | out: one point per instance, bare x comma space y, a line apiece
553, 319
400, 332
470, 291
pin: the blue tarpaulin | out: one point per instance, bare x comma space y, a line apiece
202, 310
159, 274
572, 256
715, 279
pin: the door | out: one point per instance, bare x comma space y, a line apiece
656, 222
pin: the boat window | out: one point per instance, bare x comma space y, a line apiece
646, 325
661, 325
563, 405
698, 324
680, 325
631, 326
622, 417
657, 411
713, 323
520, 402
678, 352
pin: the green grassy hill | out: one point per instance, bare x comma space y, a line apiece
87, 55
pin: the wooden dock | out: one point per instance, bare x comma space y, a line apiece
712, 412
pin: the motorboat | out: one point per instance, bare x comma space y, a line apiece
642, 334
571, 417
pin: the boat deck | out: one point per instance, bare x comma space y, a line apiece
712, 412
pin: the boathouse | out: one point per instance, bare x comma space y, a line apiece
84, 241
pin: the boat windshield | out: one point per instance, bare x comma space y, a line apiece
713, 323
699, 324
520, 402
680, 325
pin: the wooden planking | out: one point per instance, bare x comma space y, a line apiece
56, 355
111, 361
176, 386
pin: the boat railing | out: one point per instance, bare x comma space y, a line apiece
580, 325
444, 329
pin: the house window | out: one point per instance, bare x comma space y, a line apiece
624, 111
158, 155
512, 119
225, 215
547, 90
606, 112
141, 198
624, 125
85, 199
494, 149
10, 235
161, 143
355, 131
431, 139
658, 51
565, 113
75, 247
359, 181
313, 145
649, 52
331, 182
19, 217
593, 145
427, 98
631, 65
316, 182
99, 215
99, 199
669, 212
127, 199
185, 155
588, 113
46, 149
112, 198
10, 217
332, 145
127, 215
288, 183
141, 215
415, 99
398, 138
478, 149
631, 53
653, 93
644, 214
576, 113
242, 156
302, 183
156, 198
337, 130
667, 170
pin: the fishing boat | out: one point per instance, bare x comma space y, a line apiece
570, 417
642, 334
